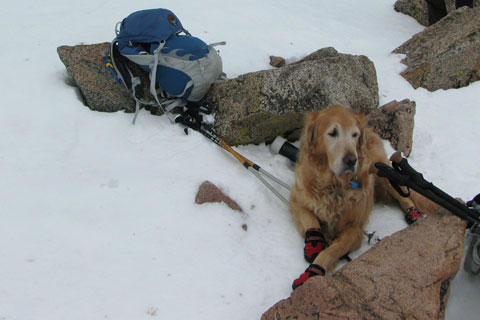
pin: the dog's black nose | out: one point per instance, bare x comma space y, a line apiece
350, 160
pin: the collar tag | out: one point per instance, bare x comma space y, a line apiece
355, 184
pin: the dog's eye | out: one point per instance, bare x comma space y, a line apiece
333, 133
355, 134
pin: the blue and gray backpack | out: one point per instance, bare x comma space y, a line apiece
181, 67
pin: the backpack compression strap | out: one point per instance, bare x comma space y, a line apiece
152, 61
131, 82
153, 81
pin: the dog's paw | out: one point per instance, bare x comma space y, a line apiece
311, 271
412, 214
314, 243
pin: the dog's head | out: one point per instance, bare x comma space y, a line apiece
334, 137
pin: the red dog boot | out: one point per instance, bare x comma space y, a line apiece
312, 270
412, 214
314, 243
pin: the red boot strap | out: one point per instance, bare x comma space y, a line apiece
314, 234
314, 238
316, 270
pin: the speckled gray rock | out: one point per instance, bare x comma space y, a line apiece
254, 107
445, 55
405, 276
277, 62
418, 9
98, 88
395, 122
257, 107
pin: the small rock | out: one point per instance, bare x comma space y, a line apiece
277, 62
395, 122
208, 193
244, 227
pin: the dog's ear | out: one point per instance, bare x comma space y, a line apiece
311, 144
310, 129
362, 124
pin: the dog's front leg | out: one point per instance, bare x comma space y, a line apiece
304, 218
349, 240
308, 226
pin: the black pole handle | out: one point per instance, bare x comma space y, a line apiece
402, 174
284, 148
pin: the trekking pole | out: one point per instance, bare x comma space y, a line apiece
470, 211
402, 174
402, 163
188, 120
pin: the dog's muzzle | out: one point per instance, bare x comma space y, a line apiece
349, 162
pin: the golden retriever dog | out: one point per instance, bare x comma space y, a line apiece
334, 192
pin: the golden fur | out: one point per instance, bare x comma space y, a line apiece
336, 147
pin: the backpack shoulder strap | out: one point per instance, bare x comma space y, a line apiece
123, 73
153, 80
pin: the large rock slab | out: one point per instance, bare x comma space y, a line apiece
254, 107
445, 55
257, 107
405, 276
273, 92
99, 89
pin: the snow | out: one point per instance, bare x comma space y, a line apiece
98, 219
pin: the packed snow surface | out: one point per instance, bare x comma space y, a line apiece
97, 217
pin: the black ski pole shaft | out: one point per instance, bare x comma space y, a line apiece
449, 199
422, 184
285, 148
401, 179
461, 212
